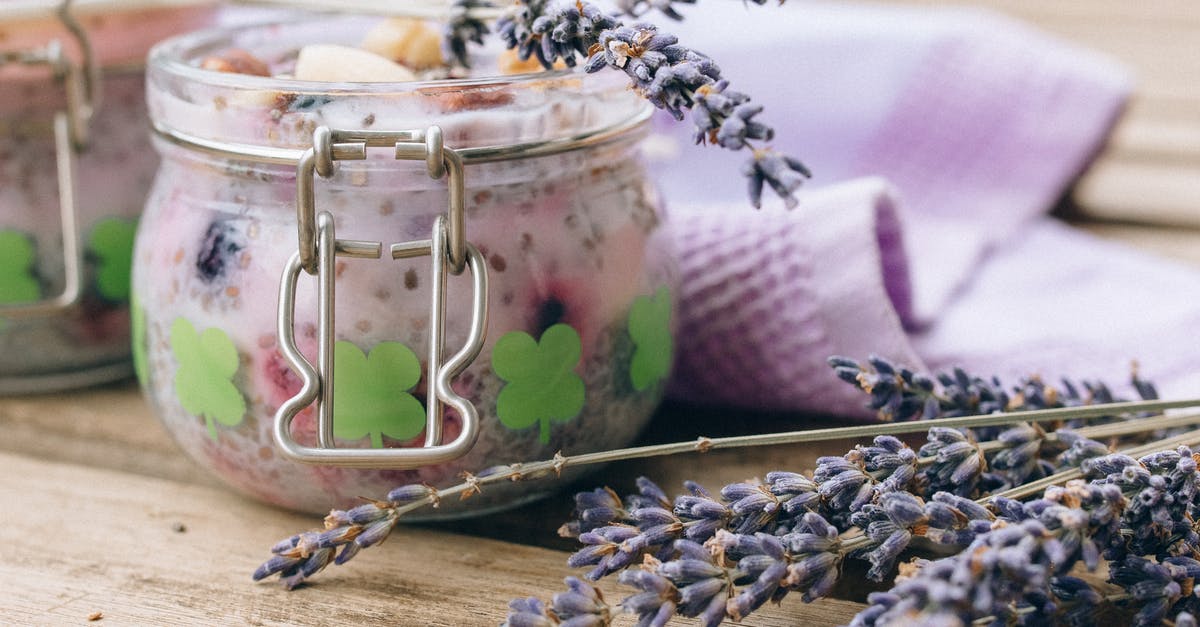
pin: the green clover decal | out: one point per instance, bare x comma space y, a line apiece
650, 328
112, 244
207, 363
17, 283
542, 384
371, 393
137, 331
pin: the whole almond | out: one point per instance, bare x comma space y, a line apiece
411, 42
333, 63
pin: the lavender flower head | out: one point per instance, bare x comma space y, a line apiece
694, 583
462, 28
958, 461
890, 525
347, 532
1162, 491
582, 605
669, 75
1158, 587
1001, 571
1019, 461
1079, 448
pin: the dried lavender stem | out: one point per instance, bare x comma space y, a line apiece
1132, 426
1021, 611
992, 420
1097, 432
916, 426
517, 471
839, 433
1191, 438
853, 538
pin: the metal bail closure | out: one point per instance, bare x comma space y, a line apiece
318, 249
70, 136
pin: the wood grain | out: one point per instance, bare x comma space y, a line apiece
95, 472
1116, 189
107, 427
112, 428
1176, 243
76, 540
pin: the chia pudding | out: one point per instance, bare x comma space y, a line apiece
579, 336
86, 341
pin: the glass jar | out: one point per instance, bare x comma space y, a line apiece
558, 214
74, 171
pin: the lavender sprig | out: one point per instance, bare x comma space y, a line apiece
774, 506
1015, 572
890, 462
581, 605
1066, 526
697, 516
671, 76
346, 533
842, 489
1069, 525
1013, 569
463, 27
899, 393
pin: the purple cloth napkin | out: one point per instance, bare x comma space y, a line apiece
970, 127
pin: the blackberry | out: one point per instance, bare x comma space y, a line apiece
549, 313
308, 102
220, 243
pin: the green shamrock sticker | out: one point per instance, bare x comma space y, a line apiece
207, 363
542, 384
111, 243
650, 328
137, 331
371, 393
17, 283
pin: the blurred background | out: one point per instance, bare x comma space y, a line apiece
1145, 186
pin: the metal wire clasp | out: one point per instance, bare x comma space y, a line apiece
82, 86
318, 249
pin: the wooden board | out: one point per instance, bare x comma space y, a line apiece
109, 427
75, 540
112, 428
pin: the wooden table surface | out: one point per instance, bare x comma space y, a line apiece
102, 513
